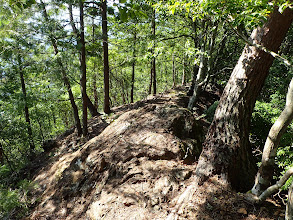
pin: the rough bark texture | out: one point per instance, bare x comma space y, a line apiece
266, 170
227, 150
93, 109
106, 58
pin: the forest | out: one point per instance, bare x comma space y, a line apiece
66, 65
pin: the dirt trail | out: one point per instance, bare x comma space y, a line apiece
134, 165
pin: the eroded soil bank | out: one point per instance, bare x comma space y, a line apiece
134, 165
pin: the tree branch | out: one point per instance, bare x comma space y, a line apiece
75, 31
274, 188
250, 43
183, 35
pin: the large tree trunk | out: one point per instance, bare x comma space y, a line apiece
266, 170
227, 151
106, 58
26, 110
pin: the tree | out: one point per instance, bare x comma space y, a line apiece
133, 66
153, 69
83, 70
266, 170
106, 58
226, 149
54, 43
26, 110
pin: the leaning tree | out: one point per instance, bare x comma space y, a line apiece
226, 150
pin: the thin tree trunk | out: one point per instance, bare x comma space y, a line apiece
151, 81
195, 67
133, 68
202, 71
266, 170
199, 82
227, 151
173, 70
83, 71
154, 59
183, 71
90, 105
273, 189
64, 74
96, 102
106, 58
194, 74
26, 110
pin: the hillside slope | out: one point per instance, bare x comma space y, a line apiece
134, 165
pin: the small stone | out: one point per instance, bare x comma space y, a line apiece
242, 211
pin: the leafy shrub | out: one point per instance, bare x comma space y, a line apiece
263, 117
14, 202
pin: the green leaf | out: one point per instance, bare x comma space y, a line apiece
123, 15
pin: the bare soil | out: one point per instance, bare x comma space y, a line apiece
136, 164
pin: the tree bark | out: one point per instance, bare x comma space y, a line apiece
151, 80
96, 100
266, 170
227, 151
26, 110
106, 58
83, 71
